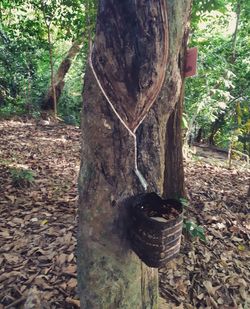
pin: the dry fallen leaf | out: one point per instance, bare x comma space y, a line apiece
210, 289
74, 302
71, 269
11, 198
61, 259
72, 283
243, 293
200, 296
70, 257
5, 234
11, 258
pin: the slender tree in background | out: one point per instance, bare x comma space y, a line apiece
234, 39
55, 90
48, 23
110, 274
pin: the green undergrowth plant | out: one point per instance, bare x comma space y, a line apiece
193, 230
22, 178
184, 202
190, 228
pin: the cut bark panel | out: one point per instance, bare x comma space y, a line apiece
130, 55
155, 229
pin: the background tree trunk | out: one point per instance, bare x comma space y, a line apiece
58, 78
174, 173
234, 39
110, 275
52, 75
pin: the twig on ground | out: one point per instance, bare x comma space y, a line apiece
16, 302
73, 302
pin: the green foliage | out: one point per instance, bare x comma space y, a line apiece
194, 230
212, 98
184, 202
190, 228
24, 52
22, 178
184, 123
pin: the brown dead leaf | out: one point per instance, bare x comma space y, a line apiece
220, 301
74, 302
200, 296
72, 283
8, 275
63, 285
70, 257
67, 238
40, 281
5, 234
11, 258
243, 293
71, 269
11, 198
210, 289
18, 221
49, 295
61, 259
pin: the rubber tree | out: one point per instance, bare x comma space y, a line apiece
110, 275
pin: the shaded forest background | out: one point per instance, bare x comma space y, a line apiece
44, 48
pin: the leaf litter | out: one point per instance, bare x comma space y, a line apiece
38, 222
38, 227
214, 273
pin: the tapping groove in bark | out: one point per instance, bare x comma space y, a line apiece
48, 101
130, 55
110, 275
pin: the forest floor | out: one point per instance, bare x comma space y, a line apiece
38, 225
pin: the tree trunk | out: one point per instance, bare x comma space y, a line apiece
174, 173
110, 275
58, 78
52, 75
234, 39
216, 125
198, 137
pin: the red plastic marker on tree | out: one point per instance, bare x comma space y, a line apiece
191, 62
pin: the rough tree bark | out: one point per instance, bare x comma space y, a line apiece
58, 78
174, 173
110, 275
